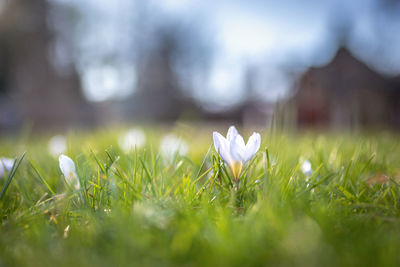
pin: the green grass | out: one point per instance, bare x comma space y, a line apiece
140, 209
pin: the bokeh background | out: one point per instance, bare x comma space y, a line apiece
88, 63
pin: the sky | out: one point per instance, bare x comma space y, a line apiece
266, 35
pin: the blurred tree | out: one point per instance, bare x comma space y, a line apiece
4, 69
166, 67
39, 93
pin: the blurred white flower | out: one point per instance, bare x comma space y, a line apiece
66, 231
131, 139
306, 168
5, 165
57, 145
151, 214
234, 151
171, 145
67, 167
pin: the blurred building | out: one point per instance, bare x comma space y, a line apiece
346, 93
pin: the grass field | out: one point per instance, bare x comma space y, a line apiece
143, 208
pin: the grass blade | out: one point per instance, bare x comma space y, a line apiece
11, 175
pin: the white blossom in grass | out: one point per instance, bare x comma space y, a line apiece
131, 139
172, 145
57, 145
234, 151
66, 231
67, 167
306, 168
5, 166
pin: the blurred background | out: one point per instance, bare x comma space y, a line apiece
88, 63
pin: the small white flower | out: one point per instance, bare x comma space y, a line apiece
57, 145
66, 231
67, 167
306, 168
5, 166
131, 139
234, 151
171, 145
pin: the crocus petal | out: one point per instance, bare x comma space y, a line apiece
306, 168
240, 141
66, 164
232, 132
238, 149
67, 167
252, 146
5, 165
236, 169
222, 147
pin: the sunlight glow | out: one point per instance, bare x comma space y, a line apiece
105, 81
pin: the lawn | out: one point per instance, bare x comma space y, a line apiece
143, 207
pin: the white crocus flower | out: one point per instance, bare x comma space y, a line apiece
306, 168
67, 167
57, 145
171, 145
131, 139
234, 151
5, 166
